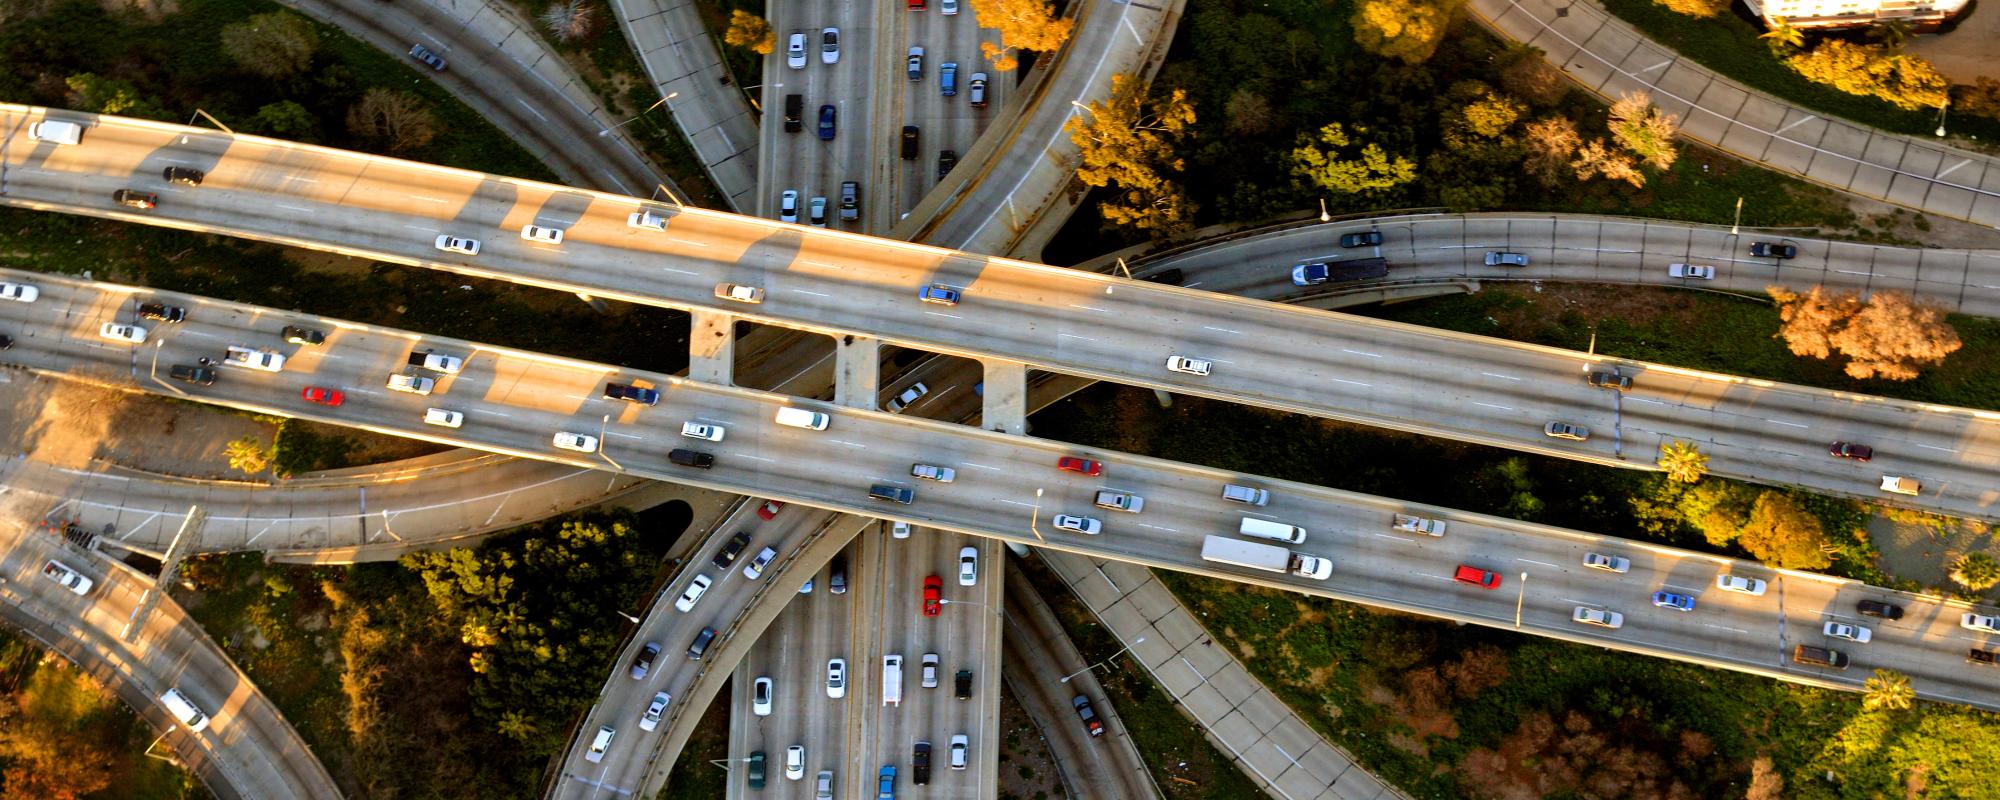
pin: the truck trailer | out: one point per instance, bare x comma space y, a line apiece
1270, 558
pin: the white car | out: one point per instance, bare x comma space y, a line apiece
1594, 616
788, 206
414, 384
1701, 271
900, 530
1618, 564
646, 221
760, 697
537, 233
1980, 622
968, 566
755, 569
739, 293
443, 418
836, 678
600, 743
1083, 525
120, 332
439, 362
795, 50
66, 576
933, 473
960, 745
701, 430
19, 292
696, 588
1852, 633
910, 395
795, 762
454, 244
1733, 583
930, 670
948, 7
576, 441
829, 46
651, 719
1191, 366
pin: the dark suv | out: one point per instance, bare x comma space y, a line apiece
185, 176
1610, 380
163, 312
298, 335
1363, 239
1773, 250
200, 375
691, 458
920, 764
1819, 656
733, 549
1879, 609
1089, 715
631, 394
909, 142
946, 160
962, 682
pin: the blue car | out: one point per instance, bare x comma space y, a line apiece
1677, 602
886, 790
826, 123
938, 293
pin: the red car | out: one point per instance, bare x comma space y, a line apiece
1477, 577
769, 509
1083, 465
323, 396
933, 588
1858, 452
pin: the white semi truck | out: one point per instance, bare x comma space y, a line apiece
892, 680
1270, 558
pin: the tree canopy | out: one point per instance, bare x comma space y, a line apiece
1318, 160
1890, 336
275, 45
750, 31
1128, 142
1409, 30
1024, 25
1873, 70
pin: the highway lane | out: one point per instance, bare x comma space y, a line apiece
944, 123
1266, 354
247, 750
514, 402
794, 651
801, 161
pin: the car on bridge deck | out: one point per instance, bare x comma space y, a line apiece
1483, 578
1673, 600
933, 591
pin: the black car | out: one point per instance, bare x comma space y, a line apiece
731, 550
643, 662
962, 682
691, 458
185, 176
135, 199
1173, 276
946, 160
795, 109
909, 142
6, 342
1089, 715
920, 764
631, 394
200, 375
1773, 250
1879, 609
298, 335
1363, 239
837, 580
826, 123
162, 312
1978, 656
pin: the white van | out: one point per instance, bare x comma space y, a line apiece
802, 418
1246, 494
55, 130
1266, 529
177, 704
892, 680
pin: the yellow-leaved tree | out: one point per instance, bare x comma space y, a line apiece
1127, 142
1024, 25
1406, 29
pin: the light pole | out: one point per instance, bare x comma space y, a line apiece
628, 617
1520, 598
1739, 217
1941, 107
601, 442
1121, 651
1323, 216
1037, 517
663, 101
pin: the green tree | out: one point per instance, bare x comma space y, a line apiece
1644, 130
89, 92
1870, 70
1683, 462
1783, 534
1030, 25
276, 46
1782, 38
247, 455
1409, 30
1128, 142
1372, 170
751, 32
1888, 690
1976, 572
285, 120
1492, 114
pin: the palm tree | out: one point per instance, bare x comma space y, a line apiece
1783, 38
1976, 572
1888, 690
1683, 462
247, 454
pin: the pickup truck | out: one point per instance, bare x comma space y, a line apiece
1120, 501
631, 394
436, 362
265, 360
1415, 524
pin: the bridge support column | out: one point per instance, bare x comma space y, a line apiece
857, 366
1005, 406
711, 347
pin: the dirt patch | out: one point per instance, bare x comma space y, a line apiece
1887, 224
1922, 548
1027, 770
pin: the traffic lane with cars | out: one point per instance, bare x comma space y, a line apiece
1064, 318
944, 122
801, 160
813, 628
998, 473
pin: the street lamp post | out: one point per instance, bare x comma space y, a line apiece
1941, 107
601, 442
1519, 599
1739, 217
1037, 517
628, 617
1121, 651
1323, 216
663, 101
